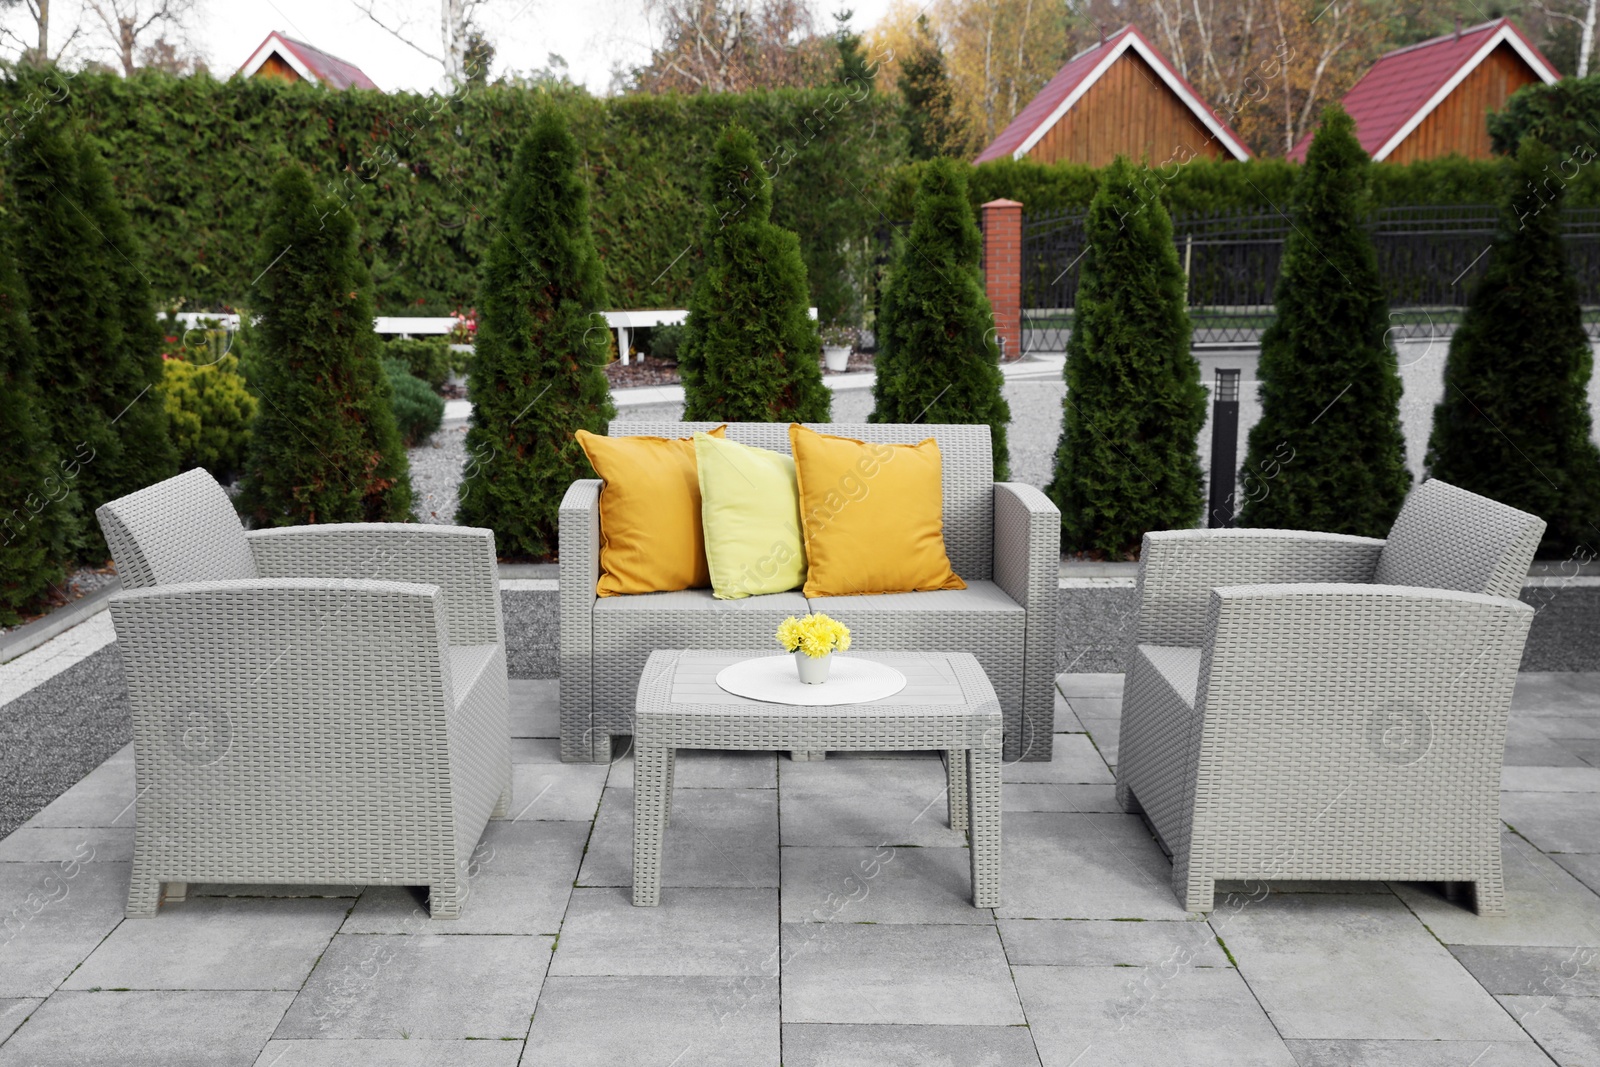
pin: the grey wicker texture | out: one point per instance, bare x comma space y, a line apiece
1448, 538
1002, 539
181, 530
315, 729
947, 704
1317, 729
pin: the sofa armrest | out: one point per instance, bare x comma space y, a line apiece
580, 571
1179, 568
1027, 564
460, 560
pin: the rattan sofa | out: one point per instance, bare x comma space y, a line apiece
1323, 707
311, 704
1003, 539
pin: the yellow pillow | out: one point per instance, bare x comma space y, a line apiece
873, 515
650, 539
750, 509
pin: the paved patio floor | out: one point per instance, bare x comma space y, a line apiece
817, 914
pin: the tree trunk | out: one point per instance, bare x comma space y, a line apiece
453, 18
1586, 42
44, 31
125, 40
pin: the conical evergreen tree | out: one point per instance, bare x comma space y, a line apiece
1514, 421
937, 359
98, 345
750, 351
323, 447
1127, 461
926, 97
38, 497
1328, 453
538, 369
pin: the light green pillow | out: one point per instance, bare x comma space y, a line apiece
750, 511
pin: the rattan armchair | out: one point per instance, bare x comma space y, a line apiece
316, 704
1323, 707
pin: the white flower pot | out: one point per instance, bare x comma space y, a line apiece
836, 357
812, 671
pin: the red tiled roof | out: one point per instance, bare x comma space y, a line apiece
1082, 71
325, 69
1405, 85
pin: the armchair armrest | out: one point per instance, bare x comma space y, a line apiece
1027, 558
580, 571
1179, 568
460, 560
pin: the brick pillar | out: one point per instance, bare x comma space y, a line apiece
1002, 272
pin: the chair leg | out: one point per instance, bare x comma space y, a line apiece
650, 805
672, 776
955, 770
1193, 888
983, 813
1489, 891
176, 893
502, 807
144, 895
444, 901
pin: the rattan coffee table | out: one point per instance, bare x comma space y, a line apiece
947, 704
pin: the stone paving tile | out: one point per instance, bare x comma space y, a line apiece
865, 802
1516, 969
1067, 866
1038, 797
604, 1022
691, 932
864, 973
377, 986
350, 1053
1561, 691
1555, 822
716, 837
556, 791
520, 878
535, 708
1107, 943
1545, 905
1562, 727
1522, 1053
1096, 707
1551, 780
702, 769
1530, 749
52, 915
54, 844
535, 750
887, 885
147, 1029
1567, 1027
103, 798
1105, 734
1587, 751
1585, 867
1100, 686
1075, 761
1066, 720
1348, 966
844, 1045
12, 1012
212, 943
1118, 1021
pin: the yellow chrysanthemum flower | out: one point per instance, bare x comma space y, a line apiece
815, 635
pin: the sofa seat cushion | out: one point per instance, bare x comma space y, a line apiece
1178, 667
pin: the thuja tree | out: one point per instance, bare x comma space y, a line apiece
1514, 421
37, 498
750, 349
98, 345
937, 358
1328, 453
1127, 460
538, 366
323, 447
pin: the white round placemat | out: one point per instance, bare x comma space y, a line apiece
776, 680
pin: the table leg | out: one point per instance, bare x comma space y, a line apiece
651, 801
983, 791
955, 771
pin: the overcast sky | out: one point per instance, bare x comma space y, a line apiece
592, 35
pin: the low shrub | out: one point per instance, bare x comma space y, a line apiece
664, 342
209, 411
428, 358
418, 410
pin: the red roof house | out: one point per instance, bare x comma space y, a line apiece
1430, 99
283, 57
1119, 97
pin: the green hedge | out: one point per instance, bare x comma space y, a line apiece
193, 159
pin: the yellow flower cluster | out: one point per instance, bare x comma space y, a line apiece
815, 635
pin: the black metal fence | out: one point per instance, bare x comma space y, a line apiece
1428, 256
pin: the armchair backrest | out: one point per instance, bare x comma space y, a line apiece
181, 530
1448, 538
965, 452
